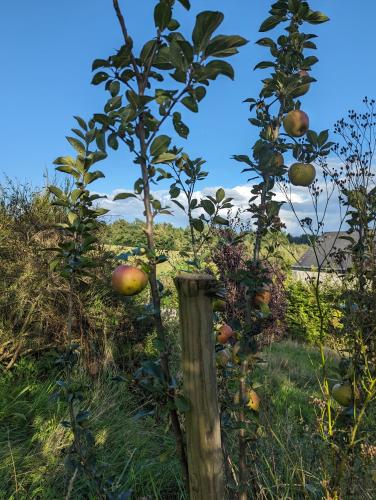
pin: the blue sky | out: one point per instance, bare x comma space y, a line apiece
47, 48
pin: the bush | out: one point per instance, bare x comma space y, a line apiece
229, 259
33, 299
303, 315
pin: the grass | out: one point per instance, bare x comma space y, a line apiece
289, 459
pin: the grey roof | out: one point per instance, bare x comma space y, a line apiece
329, 253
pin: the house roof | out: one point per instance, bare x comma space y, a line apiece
329, 253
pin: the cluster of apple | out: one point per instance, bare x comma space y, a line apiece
231, 347
230, 355
296, 124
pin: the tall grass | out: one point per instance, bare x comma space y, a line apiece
290, 460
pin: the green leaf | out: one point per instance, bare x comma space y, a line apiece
90, 177
185, 3
160, 145
220, 195
112, 141
173, 25
216, 67
164, 158
65, 160
114, 88
266, 42
264, 64
309, 61
57, 192
273, 208
208, 206
293, 5
180, 127
174, 192
100, 141
323, 137
206, 23
79, 133
68, 170
76, 194
78, 145
162, 60
200, 93
100, 63
162, 15
312, 137
224, 46
113, 103
72, 218
99, 77
198, 225
81, 122
187, 50
124, 196
316, 17
178, 58
147, 50
220, 220
101, 211
243, 159
190, 103
270, 23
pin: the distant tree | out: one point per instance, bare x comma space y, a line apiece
302, 239
131, 234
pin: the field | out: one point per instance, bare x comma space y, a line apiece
139, 454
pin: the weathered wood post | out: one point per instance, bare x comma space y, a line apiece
205, 460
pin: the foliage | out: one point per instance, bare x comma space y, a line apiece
288, 80
73, 261
135, 115
303, 316
186, 174
230, 256
34, 441
342, 428
131, 234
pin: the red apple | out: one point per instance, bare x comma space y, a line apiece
262, 297
225, 332
296, 123
129, 280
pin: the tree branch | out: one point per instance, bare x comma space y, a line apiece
126, 36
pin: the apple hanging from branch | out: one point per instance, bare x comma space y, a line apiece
129, 280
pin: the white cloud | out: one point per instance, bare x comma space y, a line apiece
132, 208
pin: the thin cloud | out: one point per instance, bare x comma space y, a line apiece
132, 208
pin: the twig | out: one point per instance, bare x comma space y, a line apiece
71, 483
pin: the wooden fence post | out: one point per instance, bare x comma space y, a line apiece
205, 459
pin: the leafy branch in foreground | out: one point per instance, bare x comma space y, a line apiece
74, 262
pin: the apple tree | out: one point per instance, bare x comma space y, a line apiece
276, 106
149, 89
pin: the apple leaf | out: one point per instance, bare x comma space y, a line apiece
206, 23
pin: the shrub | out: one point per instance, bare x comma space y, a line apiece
230, 258
33, 300
303, 315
